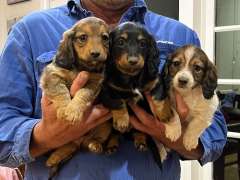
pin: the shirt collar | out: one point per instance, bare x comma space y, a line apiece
134, 13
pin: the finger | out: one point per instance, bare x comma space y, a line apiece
98, 111
101, 120
138, 125
181, 106
45, 101
148, 97
79, 82
142, 115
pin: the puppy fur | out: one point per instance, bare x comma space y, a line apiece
131, 70
84, 47
194, 77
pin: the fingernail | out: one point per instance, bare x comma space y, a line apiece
101, 107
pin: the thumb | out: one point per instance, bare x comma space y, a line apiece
79, 82
45, 101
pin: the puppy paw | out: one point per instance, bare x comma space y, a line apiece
190, 142
172, 132
111, 149
141, 146
53, 161
121, 123
163, 154
95, 147
73, 114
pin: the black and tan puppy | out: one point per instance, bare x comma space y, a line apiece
84, 47
131, 70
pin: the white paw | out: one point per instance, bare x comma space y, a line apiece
163, 154
173, 132
190, 142
73, 114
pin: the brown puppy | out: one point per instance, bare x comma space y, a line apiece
194, 76
84, 47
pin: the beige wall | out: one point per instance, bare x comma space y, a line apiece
9, 13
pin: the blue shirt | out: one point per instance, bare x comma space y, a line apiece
30, 46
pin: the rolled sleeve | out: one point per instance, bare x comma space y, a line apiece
214, 139
18, 86
20, 150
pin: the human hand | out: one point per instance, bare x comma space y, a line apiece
148, 124
148, 121
51, 133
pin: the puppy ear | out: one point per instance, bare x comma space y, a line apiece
153, 60
65, 55
209, 83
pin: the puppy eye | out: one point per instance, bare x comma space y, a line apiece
197, 68
83, 38
105, 37
121, 42
176, 63
143, 43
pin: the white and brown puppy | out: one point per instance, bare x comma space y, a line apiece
194, 76
190, 72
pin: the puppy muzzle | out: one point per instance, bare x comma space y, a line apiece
183, 80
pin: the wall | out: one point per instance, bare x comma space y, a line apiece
10, 12
168, 8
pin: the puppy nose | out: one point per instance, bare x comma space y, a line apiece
95, 54
183, 80
132, 60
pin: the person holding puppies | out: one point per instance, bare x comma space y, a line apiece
28, 126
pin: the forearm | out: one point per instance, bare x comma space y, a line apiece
14, 150
37, 144
194, 154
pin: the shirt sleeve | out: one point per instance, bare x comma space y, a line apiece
18, 86
213, 139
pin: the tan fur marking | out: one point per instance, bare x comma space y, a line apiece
140, 141
124, 35
61, 153
150, 85
140, 37
124, 66
113, 144
163, 109
121, 119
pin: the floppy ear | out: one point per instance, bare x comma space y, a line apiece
209, 83
153, 60
65, 54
